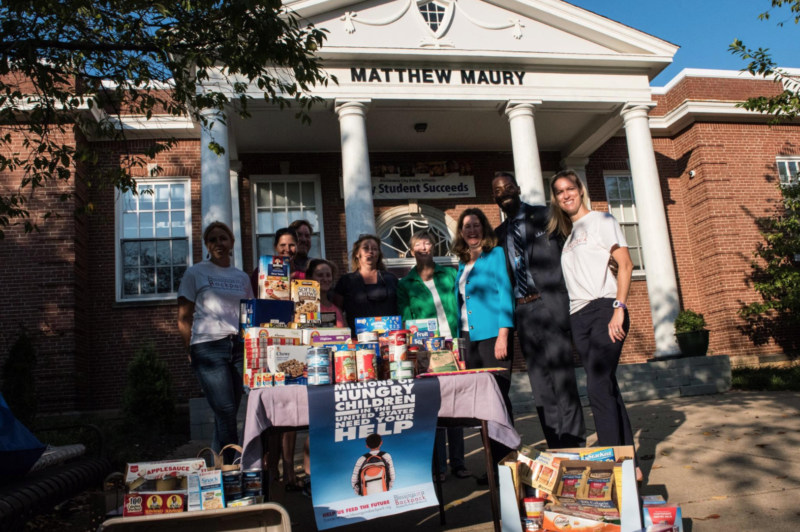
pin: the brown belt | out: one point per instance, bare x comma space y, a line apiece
528, 299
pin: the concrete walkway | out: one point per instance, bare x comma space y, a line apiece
732, 461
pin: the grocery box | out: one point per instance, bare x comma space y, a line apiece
556, 522
379, 324
274, 274
419, 337
161, 475
150, 503
603, 454
415, 326
442, 362
289, 360
306, 298
264, 313
206, 491
325, 335
538, 470
653, 500
349, 346
663, 515
274, 335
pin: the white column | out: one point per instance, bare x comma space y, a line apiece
662, 286
215, 175
236, 227
527, 165
578, 165
356, 178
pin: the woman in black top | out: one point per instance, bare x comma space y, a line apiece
369, 290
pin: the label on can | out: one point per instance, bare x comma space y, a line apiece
232, 485
367, 337
366, 364
252, 479
402, 364
319, 379
345, 366
246, 501
314, 361
402, 374
534, 506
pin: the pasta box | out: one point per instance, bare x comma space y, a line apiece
380, 324
274, 275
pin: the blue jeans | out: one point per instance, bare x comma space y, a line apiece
218, 366
455, 438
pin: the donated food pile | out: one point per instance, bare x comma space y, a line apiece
580, 490
285, 345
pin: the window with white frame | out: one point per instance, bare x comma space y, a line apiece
396, 227
622, 205
433, 13
154, 232
280, 200
789, 170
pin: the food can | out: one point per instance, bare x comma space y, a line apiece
367, 337
403, 364
232, 485
317, 351
345, 366
367, 363
246, 501
252, 482
319, 379
318, 357
279, 379
435, 344
398, 345
531, 525
534, 507
402, 374
448, 344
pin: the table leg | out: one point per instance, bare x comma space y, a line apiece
437, 483
487, 449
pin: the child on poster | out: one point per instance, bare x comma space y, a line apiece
374, 472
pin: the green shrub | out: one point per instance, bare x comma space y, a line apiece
19, 382
767, 379
148, 402
689, 321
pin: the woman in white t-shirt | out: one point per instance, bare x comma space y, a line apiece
208, 319
598, 313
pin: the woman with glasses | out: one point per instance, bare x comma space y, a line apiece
368, 290
485, 306
428, 292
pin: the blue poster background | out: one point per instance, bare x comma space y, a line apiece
408, 439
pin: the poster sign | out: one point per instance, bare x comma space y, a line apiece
371, 449
423, 186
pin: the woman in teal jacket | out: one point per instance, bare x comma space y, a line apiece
485, 305
428, 292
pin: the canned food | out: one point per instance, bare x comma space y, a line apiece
318, 361
252, 479
435, 344
448, 344
531, 525
319, 379
367, 362
232, 485
402, 374
403, 364
367, 337
318, 351
246, 501
345, 366
398, 346
534, 506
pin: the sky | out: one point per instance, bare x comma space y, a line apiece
704, 29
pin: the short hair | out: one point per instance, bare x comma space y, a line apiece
424, 234
217, 225
508, 175
374, 441
460, 248
297, 223
355, 264
316, 263
284, 231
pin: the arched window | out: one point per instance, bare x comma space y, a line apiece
433, 13
396, 226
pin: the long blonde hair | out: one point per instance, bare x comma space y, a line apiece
558, 221
355, 263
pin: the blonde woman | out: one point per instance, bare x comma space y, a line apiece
598, 301
368, 290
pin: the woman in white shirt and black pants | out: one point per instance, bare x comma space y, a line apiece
598, 312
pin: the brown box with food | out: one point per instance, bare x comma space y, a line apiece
164, 475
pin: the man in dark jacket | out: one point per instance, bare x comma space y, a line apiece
541, 314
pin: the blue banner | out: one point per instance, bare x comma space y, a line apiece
371, 449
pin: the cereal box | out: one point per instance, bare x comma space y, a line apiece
206, 492
289, 360
379, 324
274, 275
431, 325
318, 336
150, 503
305, 294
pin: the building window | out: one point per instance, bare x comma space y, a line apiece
622, 205
789, 170
433, 13
154, 230
280, 200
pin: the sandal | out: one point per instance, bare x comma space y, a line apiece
296, 486
462, 473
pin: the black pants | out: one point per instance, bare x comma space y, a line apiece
551, 370
480, 354
600, 357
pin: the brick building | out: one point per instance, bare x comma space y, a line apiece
438, 94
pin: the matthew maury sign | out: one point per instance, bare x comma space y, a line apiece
435, 75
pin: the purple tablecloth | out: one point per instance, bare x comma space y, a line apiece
474, 396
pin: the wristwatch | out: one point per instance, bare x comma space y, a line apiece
620, 304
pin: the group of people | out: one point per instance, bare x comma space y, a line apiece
545, 273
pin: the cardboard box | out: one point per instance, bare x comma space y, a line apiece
264, 313
290, 360
274, 335
306, 298
206, 491
153, 503
325, 335
419, 337
143, 476
663, 515
380, 324
539, 470
415, 326
274, 275
556, 522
